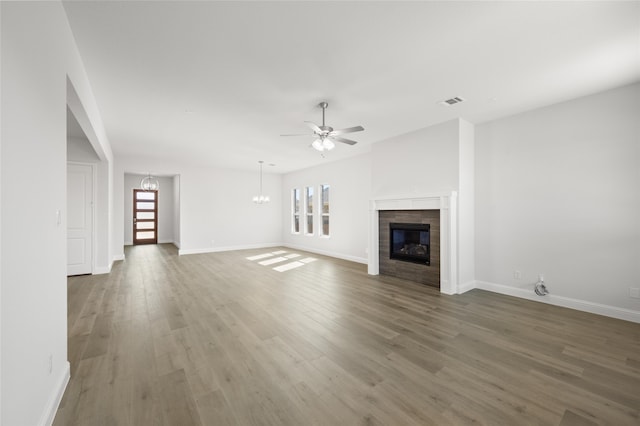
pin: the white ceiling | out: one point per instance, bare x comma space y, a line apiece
216, 83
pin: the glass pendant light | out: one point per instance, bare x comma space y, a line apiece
149, 183
261, 199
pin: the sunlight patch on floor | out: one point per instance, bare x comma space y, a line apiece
273, 260
260, 256
288, 266
280, 256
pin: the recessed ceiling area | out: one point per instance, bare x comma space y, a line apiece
217, 83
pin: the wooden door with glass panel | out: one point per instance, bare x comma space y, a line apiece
145, 217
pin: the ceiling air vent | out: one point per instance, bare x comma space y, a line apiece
452, 101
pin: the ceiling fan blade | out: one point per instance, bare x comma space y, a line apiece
314, 127
343, 140
347, 130
298, 134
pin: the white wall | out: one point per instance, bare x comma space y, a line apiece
466, 205
176, 211
80, 150
81, 103
349, 194
421, 162
38, 55
558, 192
165, 207
216, 211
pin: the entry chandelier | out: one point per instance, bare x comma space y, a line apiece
261, 199
149, 183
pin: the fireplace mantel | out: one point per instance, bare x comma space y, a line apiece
447, 204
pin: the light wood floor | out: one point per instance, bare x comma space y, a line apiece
216, 339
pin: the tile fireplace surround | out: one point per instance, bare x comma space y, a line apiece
420, 272
446, 203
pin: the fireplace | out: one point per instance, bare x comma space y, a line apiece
440, 212
410, 242
414, 236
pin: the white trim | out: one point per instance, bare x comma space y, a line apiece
128, 243
117, 257
566, 302
292, 215
447, 203
103, 269
182, 252
306, 211
469, 285
50, 409
348, 257
165, 242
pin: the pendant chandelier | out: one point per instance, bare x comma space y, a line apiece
261, 199
149, 183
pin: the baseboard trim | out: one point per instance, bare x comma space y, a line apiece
469, 285
182, 252
118, 257
130, 243
102, 269
348, 257
565, 302
49, 413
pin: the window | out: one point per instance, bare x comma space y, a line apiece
308, 209
295, 208
324, 214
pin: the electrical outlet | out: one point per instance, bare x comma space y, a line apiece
517, 275
634, 292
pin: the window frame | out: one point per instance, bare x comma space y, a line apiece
309, 215
295, 213
321, 212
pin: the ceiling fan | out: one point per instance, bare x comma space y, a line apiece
325, 135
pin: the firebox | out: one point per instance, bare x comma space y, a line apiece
409, 242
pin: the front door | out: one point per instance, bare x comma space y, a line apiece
79, 219
145, 217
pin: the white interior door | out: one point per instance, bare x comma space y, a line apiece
79, 219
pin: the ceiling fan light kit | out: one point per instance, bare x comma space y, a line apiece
323, 144
326, 135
